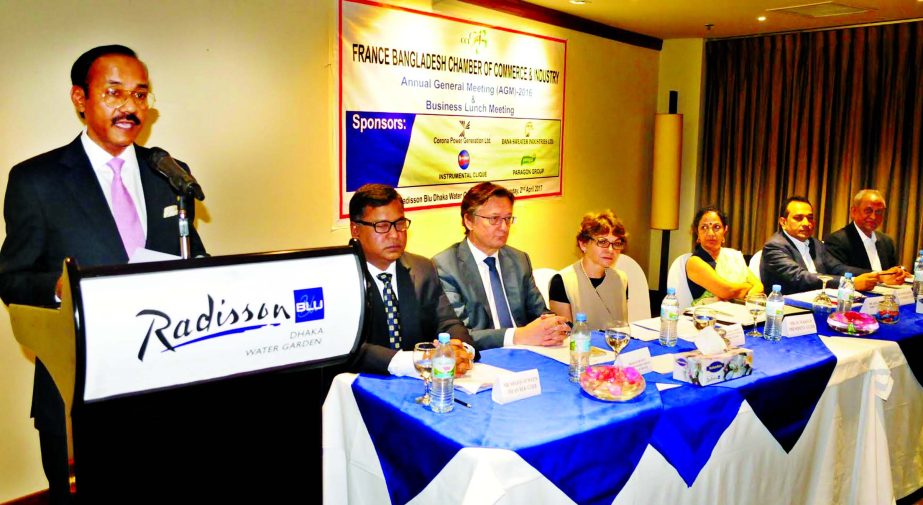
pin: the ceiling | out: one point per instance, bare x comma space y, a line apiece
672, 19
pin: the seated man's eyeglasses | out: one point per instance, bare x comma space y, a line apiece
603, 243
385, 226
495, 220
115, 98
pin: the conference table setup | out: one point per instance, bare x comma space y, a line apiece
823, 418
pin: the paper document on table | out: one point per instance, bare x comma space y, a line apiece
728, 312
562, 352
645, 334
807, 297
684, 328
481, 377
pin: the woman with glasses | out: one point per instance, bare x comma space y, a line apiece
592, 285
715, 272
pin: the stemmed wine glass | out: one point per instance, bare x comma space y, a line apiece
822, 302
618, 334
756, 303
703, 317
423, 362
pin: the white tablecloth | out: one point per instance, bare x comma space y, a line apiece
862, 446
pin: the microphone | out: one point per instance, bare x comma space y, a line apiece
182, 181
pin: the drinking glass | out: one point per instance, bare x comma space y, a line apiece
423, 362
822, 302
703, 317
618, 334
756, 303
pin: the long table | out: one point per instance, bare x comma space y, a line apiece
862, 442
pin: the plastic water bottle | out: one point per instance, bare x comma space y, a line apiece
579, 348
775, 308
918, 276
442, 392
669, 316
845, 293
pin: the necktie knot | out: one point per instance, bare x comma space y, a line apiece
491, 263
116, 165
384, 277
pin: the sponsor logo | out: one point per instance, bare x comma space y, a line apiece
476, 40
466, 125
528, 129
528, 159
309, 304
464, 159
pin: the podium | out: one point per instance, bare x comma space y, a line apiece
200, 381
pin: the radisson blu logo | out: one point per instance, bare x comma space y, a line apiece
309, 304
464, 159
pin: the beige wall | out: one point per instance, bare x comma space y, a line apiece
246, 96
681, 69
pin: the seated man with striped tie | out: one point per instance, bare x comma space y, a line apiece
406, 301
489, 283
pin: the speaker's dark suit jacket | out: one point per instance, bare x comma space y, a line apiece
462, 283
782, 264
846, 246
424, 313
56, 208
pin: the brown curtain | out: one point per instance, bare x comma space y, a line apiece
819, 114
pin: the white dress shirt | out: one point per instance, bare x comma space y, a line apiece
484, 270
402, 362
131, 174
805, 249
870, 250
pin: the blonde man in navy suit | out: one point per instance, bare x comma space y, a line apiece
97, 200
489, 283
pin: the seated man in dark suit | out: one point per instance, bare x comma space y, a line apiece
792, 257
858, 245
406, 301
489, 283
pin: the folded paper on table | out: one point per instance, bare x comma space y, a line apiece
685, 329
728, 312
805, 299
481, 377
562, 352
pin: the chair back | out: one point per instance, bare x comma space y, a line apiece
755, 264
676, 278
542, 278
639, 298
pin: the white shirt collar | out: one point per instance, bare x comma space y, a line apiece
392, 269
99, 157
799, 243
864, 237
479, 255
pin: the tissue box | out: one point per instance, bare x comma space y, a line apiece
704, 369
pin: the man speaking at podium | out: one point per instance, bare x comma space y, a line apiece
97, 200
406, 301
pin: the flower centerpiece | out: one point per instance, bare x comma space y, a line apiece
612, 382
852, 323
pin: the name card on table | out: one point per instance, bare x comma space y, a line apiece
510, 387
734, 333
870, 305
904, 296
798, 325
639, 359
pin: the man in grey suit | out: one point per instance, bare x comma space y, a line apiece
489, 283
406, 304
792, 257
97, 200
857, 244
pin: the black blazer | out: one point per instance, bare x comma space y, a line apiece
424, 313
782, 264
56, 208
846, 246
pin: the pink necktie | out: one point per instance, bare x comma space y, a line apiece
124, 211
